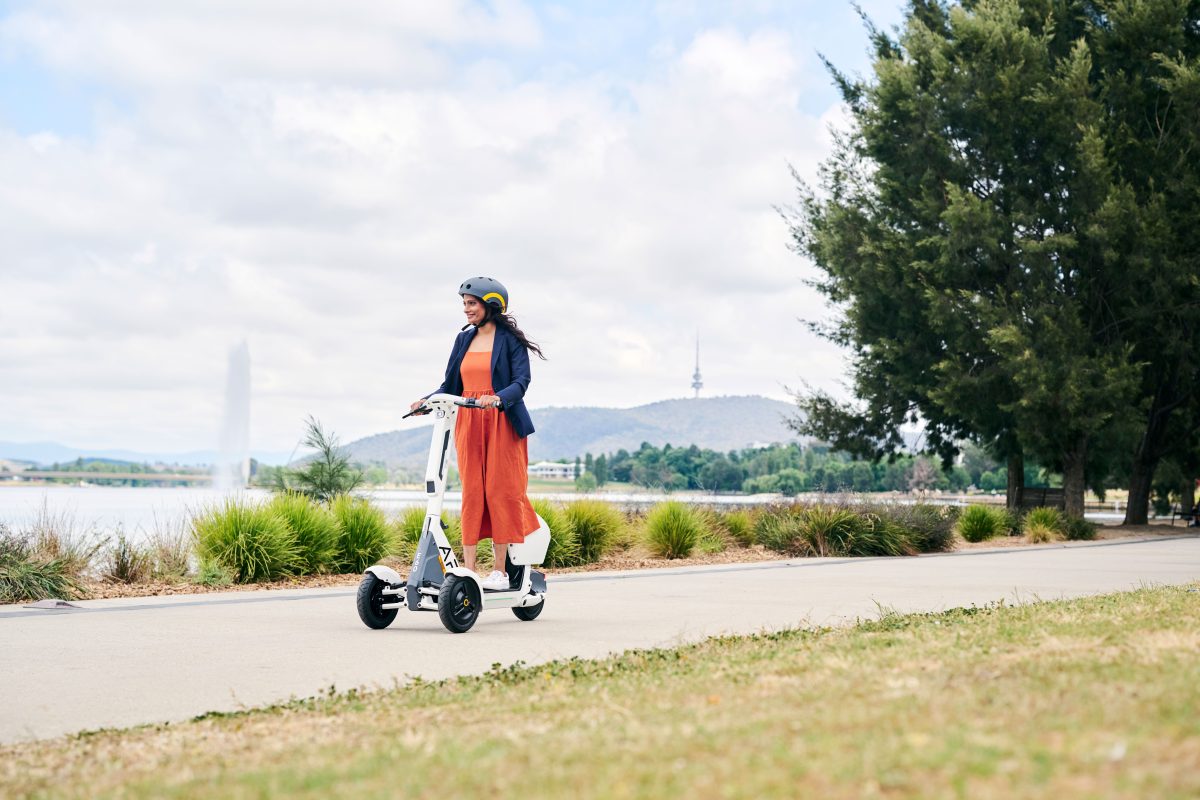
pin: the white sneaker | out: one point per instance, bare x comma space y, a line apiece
496, 581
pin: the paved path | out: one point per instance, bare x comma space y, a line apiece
124, 662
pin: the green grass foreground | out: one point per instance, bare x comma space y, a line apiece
1087, 698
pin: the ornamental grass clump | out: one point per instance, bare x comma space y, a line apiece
778, 529
881, 533
980, 523
407, 531
597, 525
364, 536
1043, 525
170, 550
835, 531
673, 529
564, 544
740, 527
127, 562
315, 529
26, 576
929, 528
251, 542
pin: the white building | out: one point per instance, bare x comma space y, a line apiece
552, 470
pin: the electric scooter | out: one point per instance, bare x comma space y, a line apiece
436, 581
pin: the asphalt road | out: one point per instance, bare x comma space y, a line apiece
117, 663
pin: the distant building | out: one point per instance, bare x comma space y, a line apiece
552, 470
8, 465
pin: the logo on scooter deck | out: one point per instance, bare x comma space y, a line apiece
448, 561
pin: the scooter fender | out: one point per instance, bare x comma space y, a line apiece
463, 572
386, 574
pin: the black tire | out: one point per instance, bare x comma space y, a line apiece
458, 604
529, 613
370, 603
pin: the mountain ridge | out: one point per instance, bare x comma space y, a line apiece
724, 423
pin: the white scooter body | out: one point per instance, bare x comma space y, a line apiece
436, 581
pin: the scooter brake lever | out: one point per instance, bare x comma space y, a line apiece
417, 412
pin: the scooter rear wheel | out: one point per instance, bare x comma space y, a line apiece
370, 603
458, 605
528, 613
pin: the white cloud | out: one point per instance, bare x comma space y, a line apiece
327, 213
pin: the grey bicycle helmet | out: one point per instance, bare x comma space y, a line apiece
489, 290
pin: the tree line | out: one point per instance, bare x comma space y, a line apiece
1007, 231
790, 469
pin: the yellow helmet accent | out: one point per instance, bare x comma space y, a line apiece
495, 296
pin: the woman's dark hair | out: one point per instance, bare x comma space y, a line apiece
509, 323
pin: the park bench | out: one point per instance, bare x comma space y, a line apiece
1042, 496
1178, 512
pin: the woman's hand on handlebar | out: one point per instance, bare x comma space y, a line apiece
489, 401
417, 404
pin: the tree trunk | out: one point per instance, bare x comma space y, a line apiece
1145, 461
1074, 480
1140, 479
1016, 480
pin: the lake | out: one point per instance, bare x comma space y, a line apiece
139, 511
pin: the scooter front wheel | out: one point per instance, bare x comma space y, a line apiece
458, 604
370, 603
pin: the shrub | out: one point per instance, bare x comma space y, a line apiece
251, 542
1043, 525
211, 573
673, 529
125, 562
25, 576
1079, 529
739, 525
980, 523
564, 544
364, 536
315, 530
596, 525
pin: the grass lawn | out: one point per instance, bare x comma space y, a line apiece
1086, 698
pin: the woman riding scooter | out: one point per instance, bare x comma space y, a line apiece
490, 362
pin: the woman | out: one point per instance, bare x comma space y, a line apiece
490, 362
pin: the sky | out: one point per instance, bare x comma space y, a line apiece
315, 179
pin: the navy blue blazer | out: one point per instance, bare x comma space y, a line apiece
510, 375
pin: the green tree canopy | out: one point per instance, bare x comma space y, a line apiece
981, 233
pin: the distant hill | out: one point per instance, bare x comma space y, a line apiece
46, 453
716, 423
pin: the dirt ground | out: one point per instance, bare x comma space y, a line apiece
626, 560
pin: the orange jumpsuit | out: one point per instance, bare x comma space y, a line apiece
493, 464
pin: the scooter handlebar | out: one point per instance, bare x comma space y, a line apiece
426, 408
